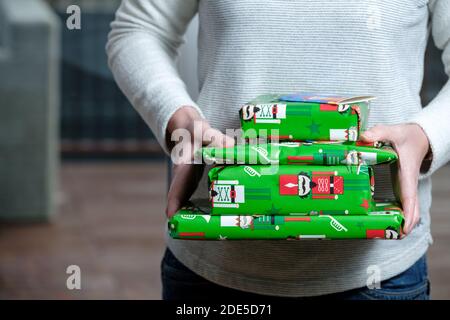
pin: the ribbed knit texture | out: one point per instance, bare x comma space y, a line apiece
251, 47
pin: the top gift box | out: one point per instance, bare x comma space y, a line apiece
302, 116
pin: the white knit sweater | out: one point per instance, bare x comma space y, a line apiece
250, 47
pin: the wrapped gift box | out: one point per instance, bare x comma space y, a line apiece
385, 222
288, 189
315, 153
304, 116
313, 181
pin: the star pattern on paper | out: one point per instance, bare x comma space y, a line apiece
273, 210
221, 237
314, 127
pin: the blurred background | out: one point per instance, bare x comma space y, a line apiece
82, 179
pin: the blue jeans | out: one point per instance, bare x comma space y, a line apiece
180, 283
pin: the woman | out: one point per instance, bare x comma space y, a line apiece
251, 47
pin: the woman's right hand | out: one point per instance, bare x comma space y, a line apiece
196, 132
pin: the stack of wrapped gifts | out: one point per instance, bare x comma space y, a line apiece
311, 179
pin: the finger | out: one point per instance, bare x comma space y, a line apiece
407, 177
172, 207
416, 217
416, 213
184, 183
214, 138
379, 133
211, 138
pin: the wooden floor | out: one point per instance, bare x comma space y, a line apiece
110, 224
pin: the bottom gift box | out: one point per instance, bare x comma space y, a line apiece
192, 223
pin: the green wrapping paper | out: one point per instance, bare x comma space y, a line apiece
385, 222
291, 189
313, 181
303, 116
316, 153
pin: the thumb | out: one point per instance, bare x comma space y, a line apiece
185, 181
215, 138
377, 133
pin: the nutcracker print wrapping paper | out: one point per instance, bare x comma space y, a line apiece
301, 153
291, 189
314, 180
303, 116
384, 222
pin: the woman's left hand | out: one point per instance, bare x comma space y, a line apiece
412, 145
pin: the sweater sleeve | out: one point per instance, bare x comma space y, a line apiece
435, 117
142, 49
